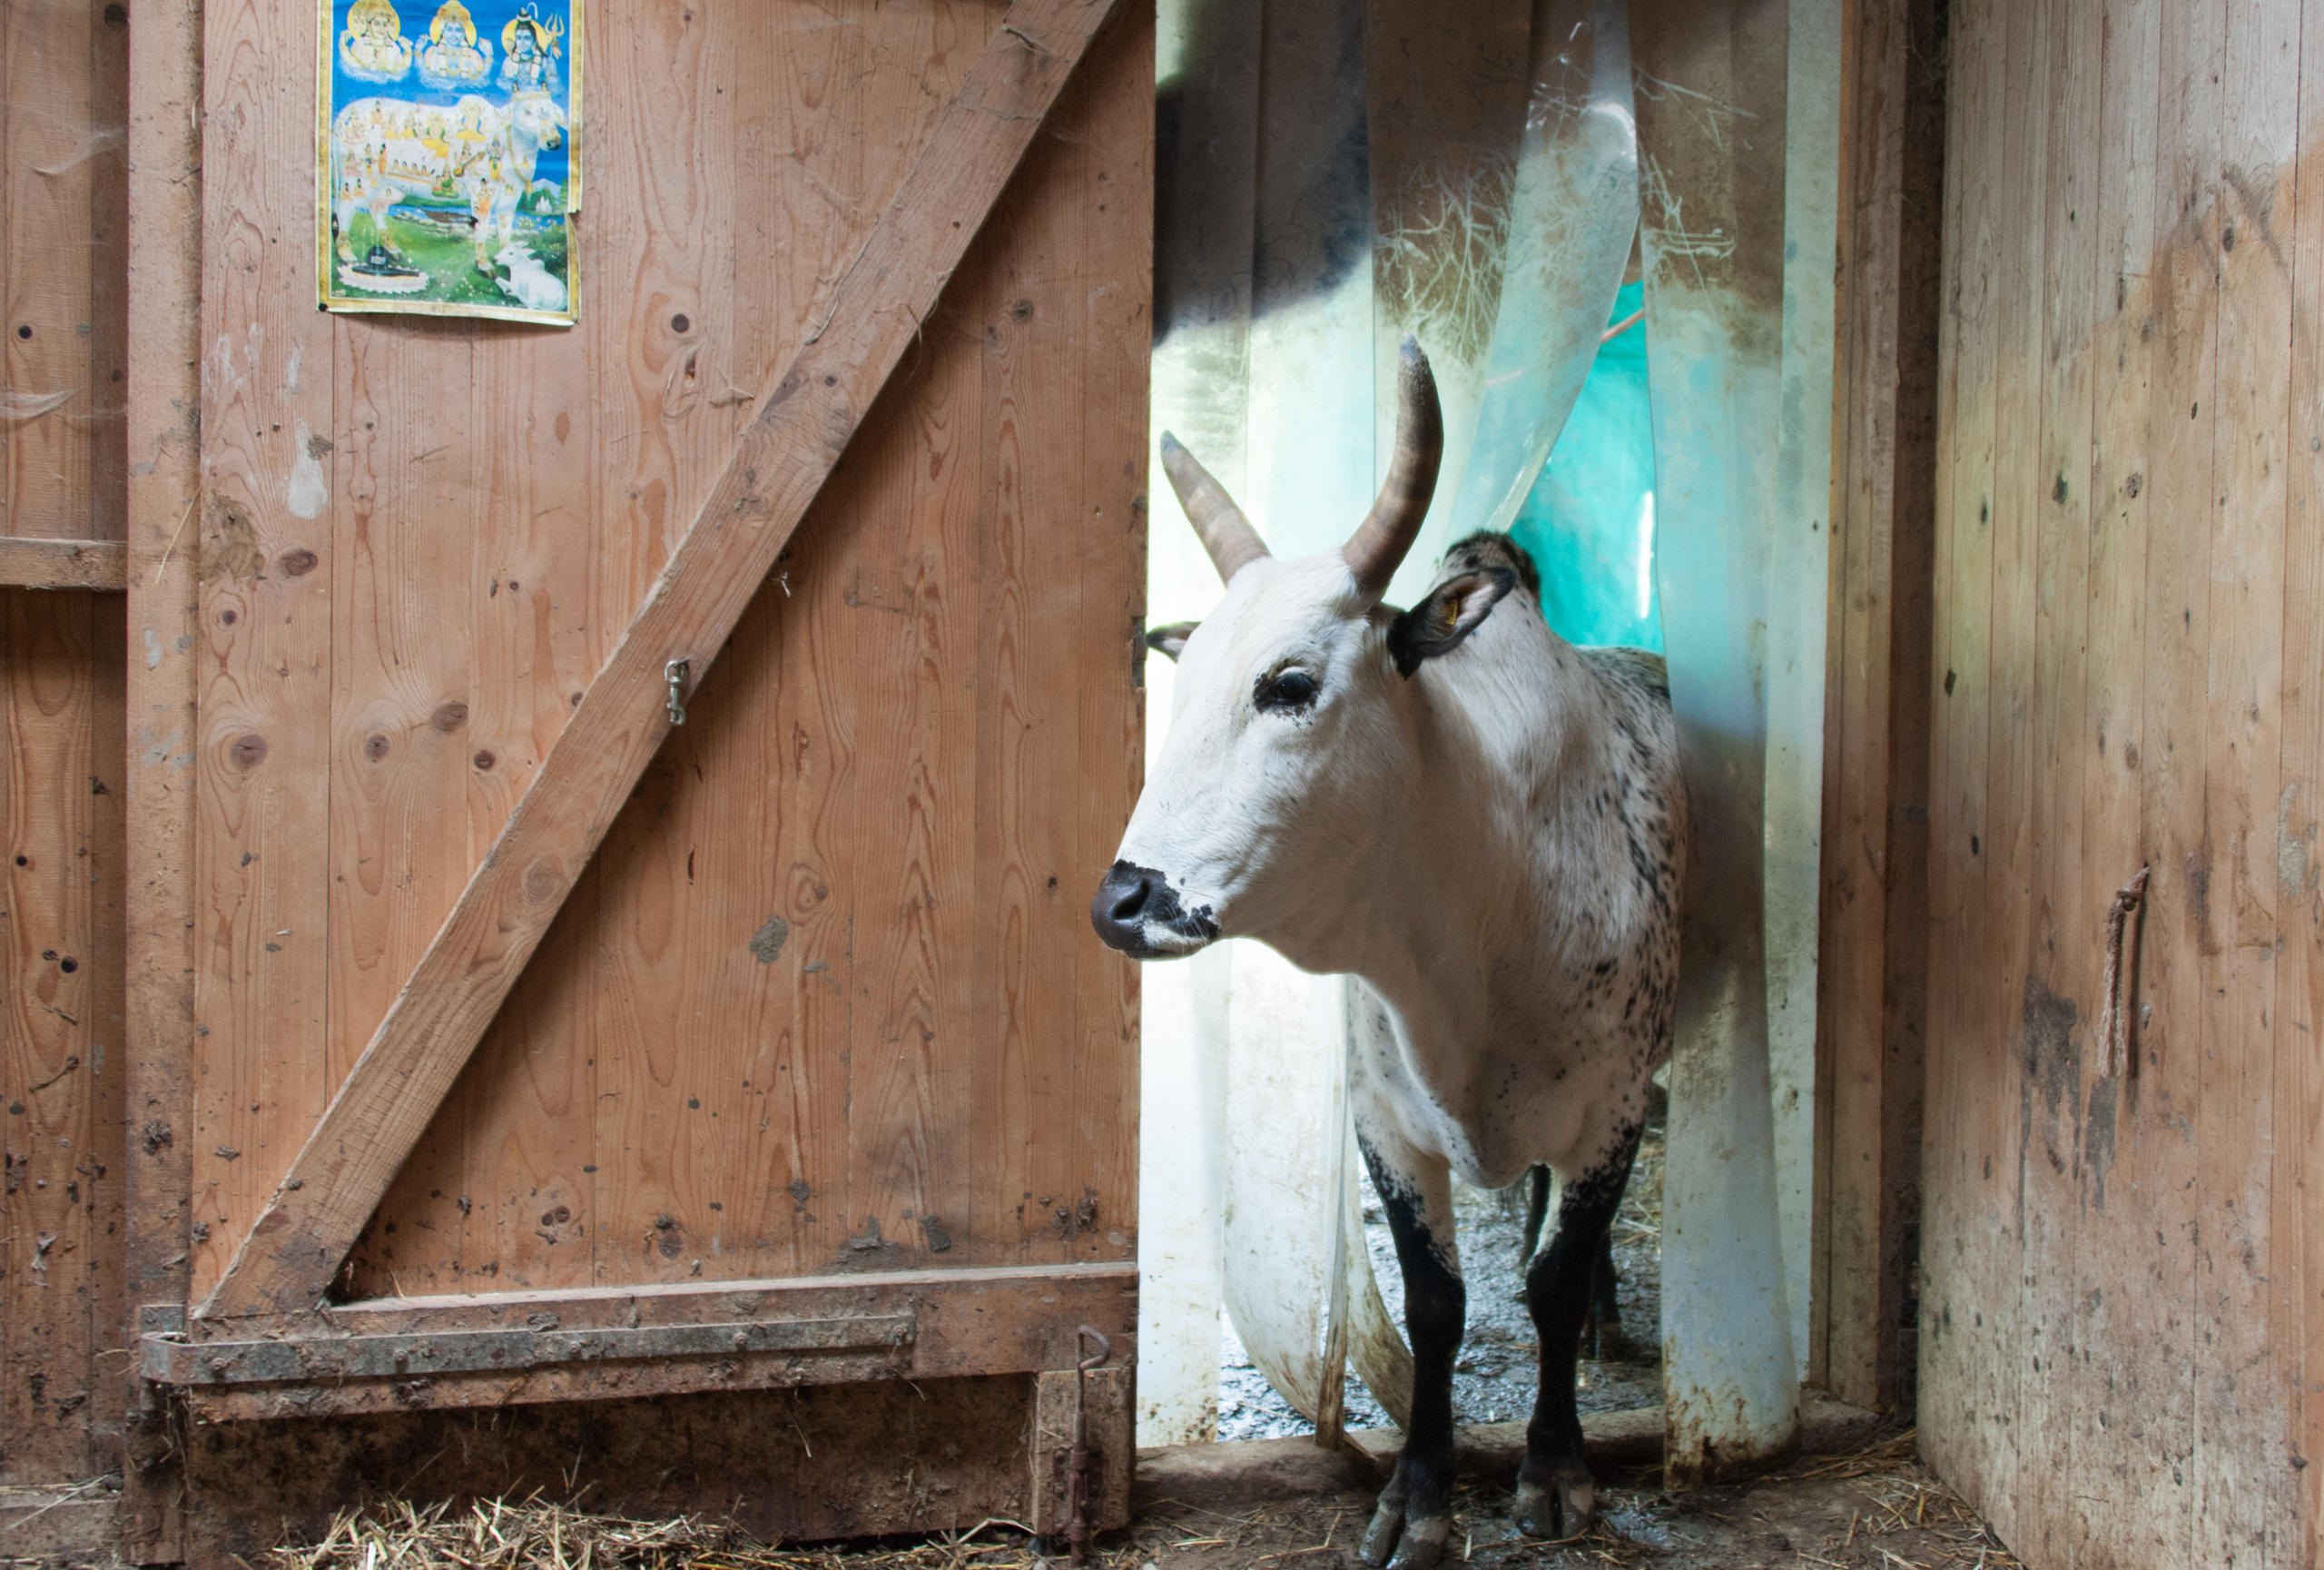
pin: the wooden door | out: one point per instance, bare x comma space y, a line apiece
810, 1072
2120, 1331
63, 74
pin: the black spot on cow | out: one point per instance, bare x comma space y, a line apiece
1487, 548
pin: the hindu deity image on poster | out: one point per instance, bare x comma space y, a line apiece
448, 163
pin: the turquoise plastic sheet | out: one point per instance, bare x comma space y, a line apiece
1589, 521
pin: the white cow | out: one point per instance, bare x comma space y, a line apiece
531, 282
1488, 826
534, 122
384, 151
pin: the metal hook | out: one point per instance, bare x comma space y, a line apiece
1082, 1486
674, 673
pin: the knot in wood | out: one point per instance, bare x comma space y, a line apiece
544, 881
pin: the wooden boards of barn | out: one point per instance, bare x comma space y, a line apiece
2123, 1346
64, 248
811, 1073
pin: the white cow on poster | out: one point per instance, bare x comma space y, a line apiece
534, 286
384, 151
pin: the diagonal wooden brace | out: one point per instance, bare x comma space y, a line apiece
780, 463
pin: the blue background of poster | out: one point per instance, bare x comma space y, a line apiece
490, 17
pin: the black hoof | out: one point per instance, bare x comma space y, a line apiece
1393, 1543
1557, 1511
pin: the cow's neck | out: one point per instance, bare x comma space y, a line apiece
1462, 903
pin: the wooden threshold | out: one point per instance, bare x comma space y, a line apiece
492, 1349
62, 1522
28, 563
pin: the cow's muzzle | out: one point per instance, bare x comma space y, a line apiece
1137, 912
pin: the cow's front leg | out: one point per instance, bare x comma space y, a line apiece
1414, 1517
1555, 1498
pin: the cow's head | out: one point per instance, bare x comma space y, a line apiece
536, 119
1281, 771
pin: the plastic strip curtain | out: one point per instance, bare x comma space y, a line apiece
1710, 112
1573, 218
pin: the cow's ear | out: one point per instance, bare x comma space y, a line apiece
1171, 640
1453, 610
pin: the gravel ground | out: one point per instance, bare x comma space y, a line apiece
1493, 1379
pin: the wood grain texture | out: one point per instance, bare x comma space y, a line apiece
1968, 1361
829, 778
1872, 968
2055, 507
2117, 1331
1008, 1319
2157, 1311
2175, 646
2295, 1329
804, 423
2007, 1013
34, 563
2245, 1486
161, 688
60, 1039
263, 530
671, 941
62, 245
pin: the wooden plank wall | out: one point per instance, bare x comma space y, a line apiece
165, 437
64, 210
2123, 1340
1872, 971
827, 995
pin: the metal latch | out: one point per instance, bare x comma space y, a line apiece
1080, 1491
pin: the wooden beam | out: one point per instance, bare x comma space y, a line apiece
515, 1349
780, 463
27, 563
1872, 975
163, 445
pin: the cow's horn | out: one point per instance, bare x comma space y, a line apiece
1226, 533
1389, 529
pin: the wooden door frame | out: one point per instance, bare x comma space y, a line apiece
1873, 958
165, 401
1877, 701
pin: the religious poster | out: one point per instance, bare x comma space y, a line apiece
447, 165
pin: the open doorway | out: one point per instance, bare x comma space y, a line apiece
1330, 177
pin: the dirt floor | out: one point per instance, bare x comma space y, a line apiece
1879, 1510
1875, 1510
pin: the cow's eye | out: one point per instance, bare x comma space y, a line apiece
1286, 689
